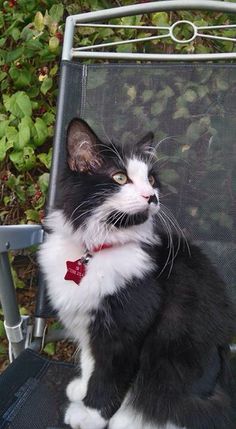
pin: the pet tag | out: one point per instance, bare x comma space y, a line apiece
76, 270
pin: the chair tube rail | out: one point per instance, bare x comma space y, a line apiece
91, 18
14, 237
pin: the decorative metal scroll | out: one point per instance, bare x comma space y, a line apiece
169, 32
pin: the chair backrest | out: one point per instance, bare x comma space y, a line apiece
190, 107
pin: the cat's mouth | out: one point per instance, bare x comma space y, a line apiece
124, 220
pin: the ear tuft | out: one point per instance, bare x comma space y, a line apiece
82, 146
146, 143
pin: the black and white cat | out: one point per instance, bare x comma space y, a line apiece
150, 315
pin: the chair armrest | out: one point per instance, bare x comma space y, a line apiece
14, 237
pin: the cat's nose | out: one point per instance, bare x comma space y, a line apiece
150, 198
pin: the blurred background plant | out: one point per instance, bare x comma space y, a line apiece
30, 47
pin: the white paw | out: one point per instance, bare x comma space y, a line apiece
80, 417
76, 390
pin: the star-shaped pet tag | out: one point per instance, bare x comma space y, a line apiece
75, 270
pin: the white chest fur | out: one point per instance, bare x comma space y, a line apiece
107, 272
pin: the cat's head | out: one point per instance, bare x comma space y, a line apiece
111, 193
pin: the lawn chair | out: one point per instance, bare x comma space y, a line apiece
189, 101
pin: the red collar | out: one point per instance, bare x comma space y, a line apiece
101, 247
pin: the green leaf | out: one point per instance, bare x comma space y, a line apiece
2, 75
43, 182
53, 70
46, 85
39, 21
24, 159
3, 149
14, 54
157, 108
49, 118
18, 104
2, 329
24, 133
32, 215
160, 18
50, 349
56, 12
169, 176
15, 34
96, 79
126, 47
40, 132
190, 96
23, 311
182, 112
12, 136
3, 126
147, 95
53, 43
21, 77
46, 158
19, 284
3, 349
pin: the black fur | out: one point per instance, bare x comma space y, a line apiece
165, 337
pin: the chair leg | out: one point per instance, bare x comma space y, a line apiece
12, 318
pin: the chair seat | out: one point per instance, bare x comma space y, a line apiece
32, 392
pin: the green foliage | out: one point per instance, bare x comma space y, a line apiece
29, 55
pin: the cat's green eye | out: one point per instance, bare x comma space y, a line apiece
151, 180
120, 178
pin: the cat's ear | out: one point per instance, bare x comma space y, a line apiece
146, 143
82, 146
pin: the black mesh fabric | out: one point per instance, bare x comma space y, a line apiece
32, 393
191, 109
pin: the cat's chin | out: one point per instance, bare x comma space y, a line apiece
124, 220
